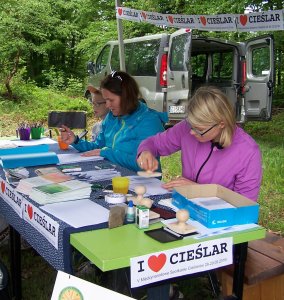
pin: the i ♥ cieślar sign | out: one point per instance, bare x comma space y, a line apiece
181, 261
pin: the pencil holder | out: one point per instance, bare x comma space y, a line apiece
36, 132
24, 133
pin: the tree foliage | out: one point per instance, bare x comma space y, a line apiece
49, 42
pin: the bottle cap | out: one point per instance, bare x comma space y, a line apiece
130, 203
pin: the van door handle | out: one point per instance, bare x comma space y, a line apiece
183, 81
270, 87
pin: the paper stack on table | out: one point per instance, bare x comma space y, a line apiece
90, 212
63, 191
98, 175
69, 158
25, 185
153, 185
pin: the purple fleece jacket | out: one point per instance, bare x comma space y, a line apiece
237, 167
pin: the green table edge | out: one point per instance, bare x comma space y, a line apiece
96, 246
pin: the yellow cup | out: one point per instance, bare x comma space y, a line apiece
120, 185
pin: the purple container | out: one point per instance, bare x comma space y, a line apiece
24, 133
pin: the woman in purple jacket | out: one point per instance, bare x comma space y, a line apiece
213, 148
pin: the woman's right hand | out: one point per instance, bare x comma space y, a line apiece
147, 161
67, 135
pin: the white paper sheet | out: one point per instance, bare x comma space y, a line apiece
78, 213
76, 157
98, 175
42, 141
153, 185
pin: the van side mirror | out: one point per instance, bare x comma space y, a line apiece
91, 68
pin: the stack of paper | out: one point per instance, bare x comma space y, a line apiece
58, 192
98, 175
25, 185
76, 157
153, 185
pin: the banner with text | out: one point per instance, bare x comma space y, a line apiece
11, 197
42, 222
181, 261
257, 21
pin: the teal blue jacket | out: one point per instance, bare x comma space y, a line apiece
121, 136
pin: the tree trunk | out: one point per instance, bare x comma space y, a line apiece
11, 75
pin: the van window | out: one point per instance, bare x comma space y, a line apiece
102, 59
114, 61
140, 58
222, 66
260, 61
143, 57
179, 55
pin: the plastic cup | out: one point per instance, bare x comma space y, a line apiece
62, 145
120, 185
36, 132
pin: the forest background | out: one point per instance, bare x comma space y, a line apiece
48, 43
44, 50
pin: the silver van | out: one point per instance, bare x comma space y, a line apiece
169, 67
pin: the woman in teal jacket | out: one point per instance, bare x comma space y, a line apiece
127, 124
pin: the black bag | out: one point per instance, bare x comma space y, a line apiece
4, 282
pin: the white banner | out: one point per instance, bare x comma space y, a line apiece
181, 261
11, 197
266, 21
182, 21
216, 22
257, 21
42, 222
153, 18
128, 14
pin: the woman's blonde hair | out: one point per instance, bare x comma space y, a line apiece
210, 106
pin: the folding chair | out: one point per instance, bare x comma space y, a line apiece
72, 119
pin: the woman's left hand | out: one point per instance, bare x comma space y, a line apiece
177, 182
96, 152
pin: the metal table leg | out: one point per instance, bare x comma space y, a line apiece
15, 255
240, 257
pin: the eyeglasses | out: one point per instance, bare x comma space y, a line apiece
114, 74
98, 104
201, 133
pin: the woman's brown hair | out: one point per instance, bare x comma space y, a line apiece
122, 84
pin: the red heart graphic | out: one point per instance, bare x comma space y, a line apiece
30, 211
156, 263
144, 15
243, 19
203, 20
171, 19
120, 11
3, 187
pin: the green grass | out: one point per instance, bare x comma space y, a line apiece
38, 277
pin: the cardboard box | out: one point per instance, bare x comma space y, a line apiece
243, 210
